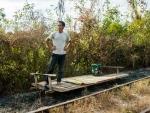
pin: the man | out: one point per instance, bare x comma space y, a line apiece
58, 43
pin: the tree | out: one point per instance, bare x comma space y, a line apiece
2, 16
138, 7
28, 18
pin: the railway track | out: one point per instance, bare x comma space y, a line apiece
141, 75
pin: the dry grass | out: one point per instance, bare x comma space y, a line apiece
137, 106
129, 99
142, 88
126, 94
106, 99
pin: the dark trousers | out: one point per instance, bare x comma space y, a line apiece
59, 60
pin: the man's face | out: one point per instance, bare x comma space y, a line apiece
60, 26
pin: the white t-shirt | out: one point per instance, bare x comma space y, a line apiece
59, 40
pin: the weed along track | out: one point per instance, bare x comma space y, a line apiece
87, 99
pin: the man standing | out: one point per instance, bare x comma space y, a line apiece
58, 43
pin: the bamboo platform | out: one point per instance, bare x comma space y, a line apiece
73, 83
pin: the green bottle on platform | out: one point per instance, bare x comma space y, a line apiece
96, 69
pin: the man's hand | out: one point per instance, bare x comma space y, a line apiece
49, 45
53, 48
65, 48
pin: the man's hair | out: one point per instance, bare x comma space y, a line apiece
62, 22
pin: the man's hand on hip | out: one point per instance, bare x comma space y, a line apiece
53, 48
65, 48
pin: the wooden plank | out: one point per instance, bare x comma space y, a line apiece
65, 87
90, 79
50, 75
73, 83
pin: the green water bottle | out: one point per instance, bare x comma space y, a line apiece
96, 68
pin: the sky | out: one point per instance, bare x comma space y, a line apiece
10, 6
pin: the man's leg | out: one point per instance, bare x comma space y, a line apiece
51, 65
61, 61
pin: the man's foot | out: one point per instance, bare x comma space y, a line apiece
58, 83
46, 87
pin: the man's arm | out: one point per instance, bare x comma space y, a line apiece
67, 43
49, 44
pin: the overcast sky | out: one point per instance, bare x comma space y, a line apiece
11, 6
